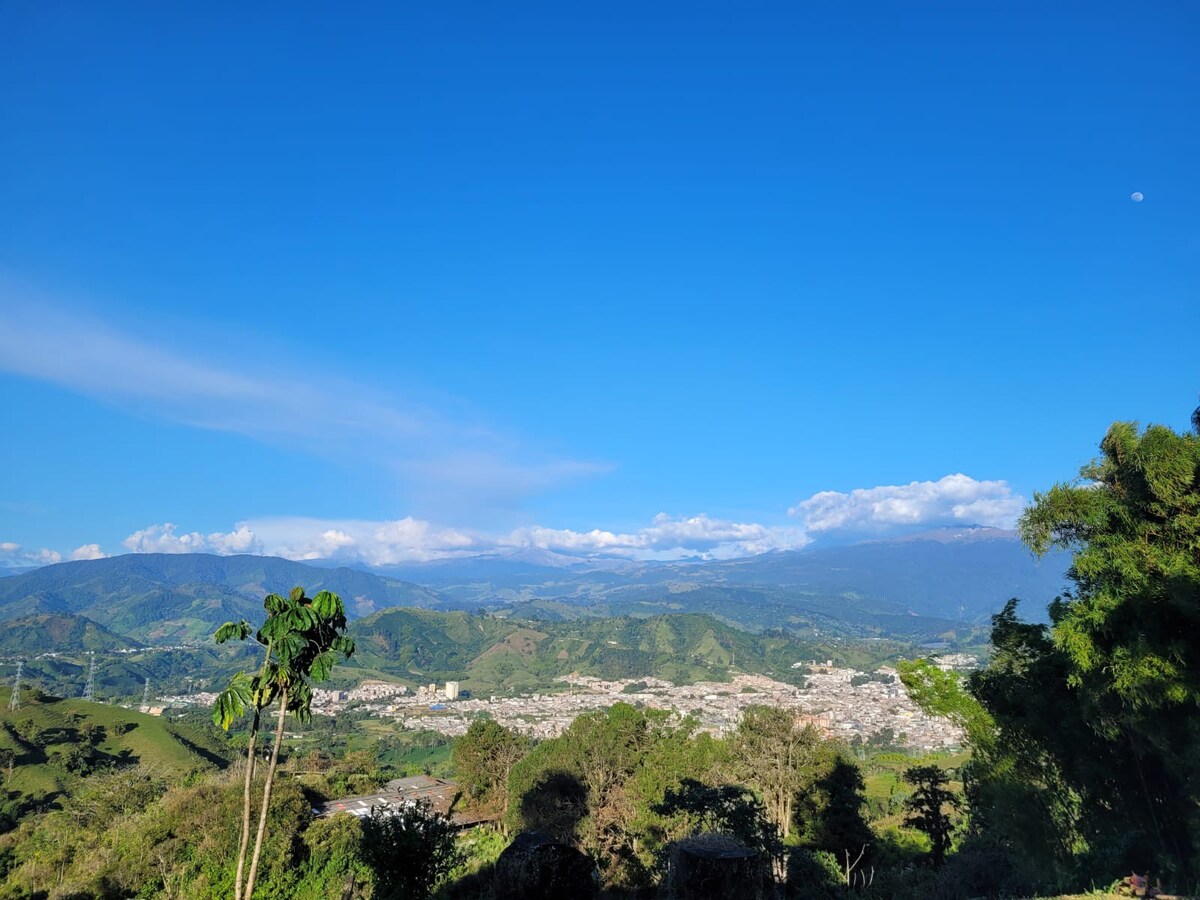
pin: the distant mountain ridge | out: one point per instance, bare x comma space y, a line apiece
957, 574
487, 653
164, 598
912, 587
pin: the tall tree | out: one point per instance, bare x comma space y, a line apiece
840, 797
302, 639
776, 757
1102, 706
483, 759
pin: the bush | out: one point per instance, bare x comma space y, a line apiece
813, 875
411, 849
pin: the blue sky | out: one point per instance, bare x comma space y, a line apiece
421, 279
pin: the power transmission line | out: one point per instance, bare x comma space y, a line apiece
15, 702
89, 692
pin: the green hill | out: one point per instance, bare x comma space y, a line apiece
52, 744
490, 653
51, 632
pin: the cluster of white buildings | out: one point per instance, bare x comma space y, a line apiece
956, 662
829, 702
328, 702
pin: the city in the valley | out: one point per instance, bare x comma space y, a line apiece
839, 702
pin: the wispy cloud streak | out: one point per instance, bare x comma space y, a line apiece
299, 403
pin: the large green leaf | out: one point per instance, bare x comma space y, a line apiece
301, 618
274, 604
232, 631
231, 703
328, 605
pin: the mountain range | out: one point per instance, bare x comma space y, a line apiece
946, 576
916, 587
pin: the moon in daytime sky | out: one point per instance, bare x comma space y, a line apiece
1137, 196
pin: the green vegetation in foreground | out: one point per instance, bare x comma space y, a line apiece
1084, 763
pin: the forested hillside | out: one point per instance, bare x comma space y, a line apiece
489, 653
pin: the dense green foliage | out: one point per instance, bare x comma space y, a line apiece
1094, 762
625, 785
483, 759
410, 850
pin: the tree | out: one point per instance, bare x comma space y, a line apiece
1099, 709
483, 759
929, 808
777, 758
92, 733
302, 640
411, 849
1134, 527
580, 788
8, 759
1128, 630
941, 693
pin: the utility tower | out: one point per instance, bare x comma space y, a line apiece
89, 692
15, 703
146, 693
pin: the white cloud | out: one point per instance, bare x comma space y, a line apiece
667, 537
952, 500
376, 543
955, 499
163, 539
391, 542
88, 551
13, 555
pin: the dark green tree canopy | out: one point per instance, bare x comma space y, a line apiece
1133, 522
1096, 761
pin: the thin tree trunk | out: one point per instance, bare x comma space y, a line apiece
262, 818
244, 841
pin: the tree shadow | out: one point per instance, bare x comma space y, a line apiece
555, 806
840, 825
207, 755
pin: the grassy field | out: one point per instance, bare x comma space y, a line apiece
42, 735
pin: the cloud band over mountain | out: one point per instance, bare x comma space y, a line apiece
953, 500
